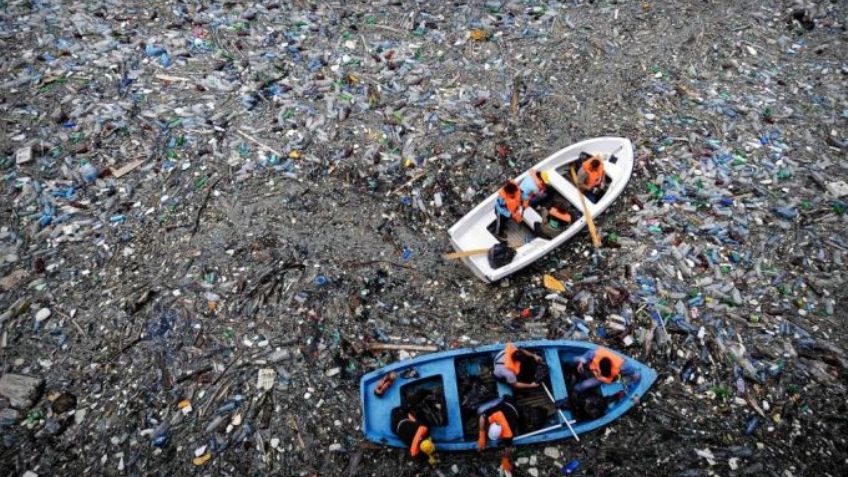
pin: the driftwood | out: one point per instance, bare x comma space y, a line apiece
203, 206
401, 347
22, 391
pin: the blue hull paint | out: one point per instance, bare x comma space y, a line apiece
376, 411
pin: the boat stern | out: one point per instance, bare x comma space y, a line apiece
477, 271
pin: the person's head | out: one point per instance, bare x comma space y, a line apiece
545, 176
495, 431
510, 188
595, 164
426, 446
606, 367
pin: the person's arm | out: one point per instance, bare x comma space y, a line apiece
520, 385
530, 355
481, 436
581, 360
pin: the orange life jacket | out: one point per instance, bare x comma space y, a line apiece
513, 204
510, 363
561, 216
420, 435
593, 178
616, 363
500, 419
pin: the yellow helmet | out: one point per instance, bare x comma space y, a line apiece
427, 446
546, 176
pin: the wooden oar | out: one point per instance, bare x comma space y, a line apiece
596, 240
465, 253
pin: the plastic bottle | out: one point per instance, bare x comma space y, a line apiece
89, 172
160, 436
155, 50
569, 468
752, 425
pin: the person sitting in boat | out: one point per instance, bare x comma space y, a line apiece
602, 366
590, 175
499, 421
413, 433
534, 188
517, 367
554, 219
508, 205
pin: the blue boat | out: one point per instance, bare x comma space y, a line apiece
452, 376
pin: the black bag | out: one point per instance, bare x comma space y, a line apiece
432, 410
500, 255
589, 405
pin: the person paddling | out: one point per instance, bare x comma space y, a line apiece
590, 176
517, 367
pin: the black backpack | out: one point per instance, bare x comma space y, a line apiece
500, 255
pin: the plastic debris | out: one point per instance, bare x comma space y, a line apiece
202, 459
180, 179
553, 284
265, 380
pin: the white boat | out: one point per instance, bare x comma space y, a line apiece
473, 231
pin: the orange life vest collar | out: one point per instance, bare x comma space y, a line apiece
616, 362
420, 435
500, 419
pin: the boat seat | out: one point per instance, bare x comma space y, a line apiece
477, 240
611, 389
567, 190
531, 217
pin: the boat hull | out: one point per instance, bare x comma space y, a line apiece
376, 411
